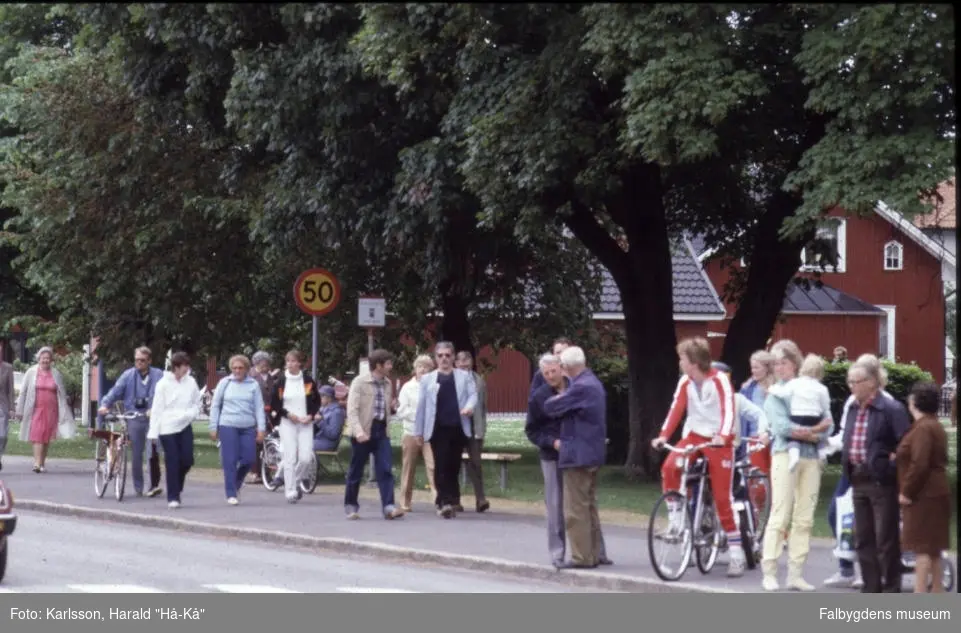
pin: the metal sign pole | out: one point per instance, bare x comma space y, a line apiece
313, 362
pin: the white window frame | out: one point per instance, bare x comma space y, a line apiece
899, 249
842, 242
890, 321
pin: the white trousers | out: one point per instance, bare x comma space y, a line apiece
297, 442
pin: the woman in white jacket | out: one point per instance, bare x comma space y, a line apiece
176, 404
410, 449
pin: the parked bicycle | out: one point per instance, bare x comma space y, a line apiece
271, 462
691, 520
752, 502
111, 453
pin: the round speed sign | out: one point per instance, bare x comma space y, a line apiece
316, 292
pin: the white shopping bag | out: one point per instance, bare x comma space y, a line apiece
844, 526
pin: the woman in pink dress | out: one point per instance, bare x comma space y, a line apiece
41, 407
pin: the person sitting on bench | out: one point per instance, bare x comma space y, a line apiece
329, 428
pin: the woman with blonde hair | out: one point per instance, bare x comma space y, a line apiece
410, 448
794, 494
294, 405
755, 390
237, 418
43, 409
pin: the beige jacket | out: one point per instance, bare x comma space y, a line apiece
360, 404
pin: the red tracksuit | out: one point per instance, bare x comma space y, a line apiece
710, 411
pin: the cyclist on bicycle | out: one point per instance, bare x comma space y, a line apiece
707, 397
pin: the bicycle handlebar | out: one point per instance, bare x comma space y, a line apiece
687, 449
130, 415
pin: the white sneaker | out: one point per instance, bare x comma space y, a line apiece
793, 457
737, 563
173, 504
858, 582
799, 584
233, 501
769, 583
840, 581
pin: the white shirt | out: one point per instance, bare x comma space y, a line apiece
808, 396
407, 401
176, 404
710, 411
295, 397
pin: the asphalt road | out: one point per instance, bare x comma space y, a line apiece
56, 555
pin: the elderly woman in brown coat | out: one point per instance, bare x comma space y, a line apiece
924, 492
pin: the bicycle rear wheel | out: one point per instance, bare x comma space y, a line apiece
101, 474
759, 493
120, 477
269, 465
707, 536
670, 526
309, 483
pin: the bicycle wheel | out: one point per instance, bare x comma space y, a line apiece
309, 483
707, 536
269, 465
670, 529
120, 477
947, 573
759, 493
101, 474
751, 547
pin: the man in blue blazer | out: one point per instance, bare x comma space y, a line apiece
447, 400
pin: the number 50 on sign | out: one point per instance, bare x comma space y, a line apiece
316, 292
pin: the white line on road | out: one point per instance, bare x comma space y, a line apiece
371, 590
113, 589
248, 589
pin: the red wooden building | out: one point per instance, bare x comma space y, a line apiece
885, 296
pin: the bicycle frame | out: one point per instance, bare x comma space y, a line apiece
686, 478
743, 467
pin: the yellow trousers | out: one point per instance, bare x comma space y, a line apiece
794, 498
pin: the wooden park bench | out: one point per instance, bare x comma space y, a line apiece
501, 458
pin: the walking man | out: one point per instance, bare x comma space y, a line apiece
6, 404
368, 412
582, 412
135, 388
447, 401
543, 432
475, 443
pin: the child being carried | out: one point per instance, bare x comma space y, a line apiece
810, 401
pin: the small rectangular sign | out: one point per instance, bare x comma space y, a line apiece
371, 312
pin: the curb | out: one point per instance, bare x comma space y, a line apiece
576, 578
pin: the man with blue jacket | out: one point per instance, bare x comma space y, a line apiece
135, 388
447, 400
582, 449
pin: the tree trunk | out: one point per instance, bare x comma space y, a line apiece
456, 325
773, 265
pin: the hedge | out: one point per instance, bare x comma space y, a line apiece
901, 378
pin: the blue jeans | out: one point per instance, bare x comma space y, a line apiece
379, 446
846, 566
179, 459
238, 451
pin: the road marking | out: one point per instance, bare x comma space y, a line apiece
248, 589
371, 590
113, 589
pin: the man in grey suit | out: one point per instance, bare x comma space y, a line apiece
475, 443
447, 401
6, 404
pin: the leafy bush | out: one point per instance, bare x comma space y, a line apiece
612, 372
901, 377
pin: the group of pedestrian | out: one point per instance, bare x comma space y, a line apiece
567, 421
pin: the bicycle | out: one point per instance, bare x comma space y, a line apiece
271, 458
752, 502
111, 454
692, 505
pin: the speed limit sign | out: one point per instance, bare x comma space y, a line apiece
316, 292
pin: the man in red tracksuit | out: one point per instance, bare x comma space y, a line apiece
708, 398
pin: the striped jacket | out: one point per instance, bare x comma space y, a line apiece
710, 410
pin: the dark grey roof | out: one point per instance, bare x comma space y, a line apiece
693, 291
698, 244
824, 299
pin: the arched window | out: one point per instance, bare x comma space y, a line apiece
893, 256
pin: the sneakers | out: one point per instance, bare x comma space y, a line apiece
793, 457
352, 513
233, 501
390, 512
841, 581
153, 492
769, 583
446, 512
173, 505
737, 563
799, 584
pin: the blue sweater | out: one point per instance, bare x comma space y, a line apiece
239, 404
129, 387
582, 411
540, 429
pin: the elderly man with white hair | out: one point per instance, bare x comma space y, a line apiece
543, 432
581, 446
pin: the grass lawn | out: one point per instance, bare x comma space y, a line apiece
615, 491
